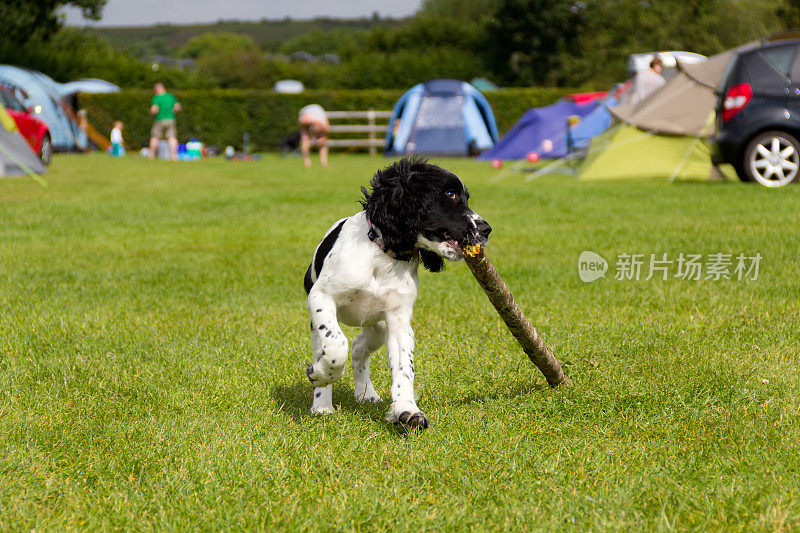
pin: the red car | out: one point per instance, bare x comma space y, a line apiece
33, 130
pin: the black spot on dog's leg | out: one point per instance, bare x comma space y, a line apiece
318, 394
322, 327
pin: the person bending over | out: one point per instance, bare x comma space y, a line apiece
314, 126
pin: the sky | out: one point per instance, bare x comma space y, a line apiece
145, 12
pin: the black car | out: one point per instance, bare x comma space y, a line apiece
758, 113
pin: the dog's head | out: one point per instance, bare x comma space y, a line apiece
420, 206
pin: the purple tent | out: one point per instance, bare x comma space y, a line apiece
541, 130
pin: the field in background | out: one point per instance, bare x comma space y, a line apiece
154, 342
264, 32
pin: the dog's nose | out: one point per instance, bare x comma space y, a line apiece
483, 228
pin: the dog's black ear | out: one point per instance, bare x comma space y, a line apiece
431, 260
397, 202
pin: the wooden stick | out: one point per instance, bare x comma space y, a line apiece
519, 326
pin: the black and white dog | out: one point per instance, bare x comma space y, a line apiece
364, 273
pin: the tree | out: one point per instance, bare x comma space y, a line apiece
229, 59
613, 29
789, 13
214, 43
24, 19
318, 42
527, 40
474, 11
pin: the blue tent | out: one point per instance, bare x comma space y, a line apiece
544, 130
50, 101
593, 124
441, 117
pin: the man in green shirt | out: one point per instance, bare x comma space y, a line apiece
163, 107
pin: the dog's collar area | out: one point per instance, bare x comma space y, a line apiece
374, 235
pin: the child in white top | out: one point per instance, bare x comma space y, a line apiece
117, 144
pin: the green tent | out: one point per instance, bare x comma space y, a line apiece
626, 152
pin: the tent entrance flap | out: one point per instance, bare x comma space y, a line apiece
439, 126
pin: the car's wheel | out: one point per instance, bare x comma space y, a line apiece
46, 150
772, 159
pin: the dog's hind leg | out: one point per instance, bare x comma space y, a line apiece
370, 339
330, 350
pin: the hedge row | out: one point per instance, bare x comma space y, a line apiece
221, 117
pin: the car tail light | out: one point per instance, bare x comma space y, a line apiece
735, 100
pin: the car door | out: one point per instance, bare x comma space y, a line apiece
770, 76
793, 97
775, 79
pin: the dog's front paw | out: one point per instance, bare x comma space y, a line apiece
323, 410
412, 420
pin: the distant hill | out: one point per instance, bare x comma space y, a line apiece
268, 33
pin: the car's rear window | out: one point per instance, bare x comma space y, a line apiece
781, 58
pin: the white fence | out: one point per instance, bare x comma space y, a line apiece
375, 128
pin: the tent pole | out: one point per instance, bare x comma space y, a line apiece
513, 167
590, 150
544, 170
691, 148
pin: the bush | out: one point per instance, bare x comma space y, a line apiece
221, 117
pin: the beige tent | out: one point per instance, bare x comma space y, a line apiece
709, 73
685, 105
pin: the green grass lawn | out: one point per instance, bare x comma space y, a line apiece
153, 344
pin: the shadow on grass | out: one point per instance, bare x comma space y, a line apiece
520, 388
294, 400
